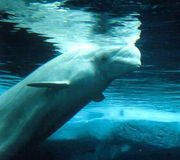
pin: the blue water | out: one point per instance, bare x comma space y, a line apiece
139, 119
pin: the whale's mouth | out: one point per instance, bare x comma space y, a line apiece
127, 62
129, 56
137, 63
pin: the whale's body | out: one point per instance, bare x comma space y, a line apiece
47, 98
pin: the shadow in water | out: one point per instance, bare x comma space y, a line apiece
90, 148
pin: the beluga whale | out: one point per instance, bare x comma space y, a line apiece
46, 99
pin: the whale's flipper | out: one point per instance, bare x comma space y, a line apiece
99, 97
54, 84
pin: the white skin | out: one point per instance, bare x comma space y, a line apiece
30, 114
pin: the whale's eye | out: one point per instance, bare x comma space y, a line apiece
104, 58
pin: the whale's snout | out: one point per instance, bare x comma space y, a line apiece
125, 59
132, 56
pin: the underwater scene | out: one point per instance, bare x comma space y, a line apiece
105, 82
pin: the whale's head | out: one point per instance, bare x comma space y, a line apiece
115, 61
